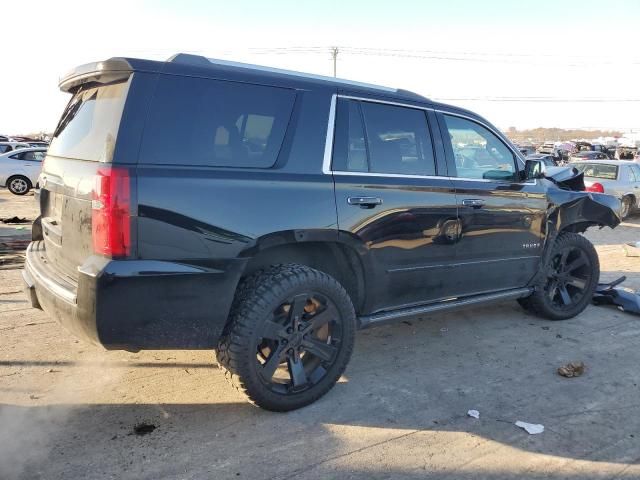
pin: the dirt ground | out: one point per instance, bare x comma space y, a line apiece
68, 409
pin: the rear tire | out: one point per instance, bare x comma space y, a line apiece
289, 338
19, 185
568, 281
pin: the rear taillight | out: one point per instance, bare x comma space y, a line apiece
111, 212
595, 187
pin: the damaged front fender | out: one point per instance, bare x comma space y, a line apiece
573, 209
576, 211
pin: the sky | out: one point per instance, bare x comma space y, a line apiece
550, 63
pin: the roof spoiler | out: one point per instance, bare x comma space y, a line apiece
106, 71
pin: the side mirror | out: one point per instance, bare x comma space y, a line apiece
533, 169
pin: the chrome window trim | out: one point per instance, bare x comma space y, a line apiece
328, 143
328, 146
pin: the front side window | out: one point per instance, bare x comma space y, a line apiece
478, 152
202, 122
5, 148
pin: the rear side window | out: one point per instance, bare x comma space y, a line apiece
89, 125
202, 122
5, 148
598, 170
391, 140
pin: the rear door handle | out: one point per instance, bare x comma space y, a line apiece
473, 202
364, 202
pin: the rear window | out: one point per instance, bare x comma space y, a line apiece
202, 122
599, 170
89, 125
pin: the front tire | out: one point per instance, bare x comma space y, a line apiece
19, 185
289, 338
568, 281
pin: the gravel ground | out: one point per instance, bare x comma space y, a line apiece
69, 409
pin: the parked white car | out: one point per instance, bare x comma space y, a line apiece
19, 169
6, 147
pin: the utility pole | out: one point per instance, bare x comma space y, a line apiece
334, 55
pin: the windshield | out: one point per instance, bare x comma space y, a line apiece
599, 170
89, 125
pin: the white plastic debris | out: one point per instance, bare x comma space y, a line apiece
474, 413
531, 428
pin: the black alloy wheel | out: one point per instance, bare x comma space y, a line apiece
299, 343
289, 338
568, 277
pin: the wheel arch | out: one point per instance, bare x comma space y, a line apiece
335, 253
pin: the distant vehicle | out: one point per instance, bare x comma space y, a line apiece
548, 160
587, 155
619, 178
11, 146
548, 148
19, 170
527, 150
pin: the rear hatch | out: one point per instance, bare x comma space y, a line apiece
83, 147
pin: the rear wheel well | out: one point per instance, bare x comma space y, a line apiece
335, 259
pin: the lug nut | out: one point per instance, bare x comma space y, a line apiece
289, 330
284, 342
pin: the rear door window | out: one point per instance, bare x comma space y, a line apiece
203, 122
89, 125
380, 138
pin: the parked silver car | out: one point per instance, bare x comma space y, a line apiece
619, 178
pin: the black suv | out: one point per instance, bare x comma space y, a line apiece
269, 214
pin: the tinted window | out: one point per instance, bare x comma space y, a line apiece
349, 151
89, 125
478, 152
398, 140
636, 170
5, 148
195, 121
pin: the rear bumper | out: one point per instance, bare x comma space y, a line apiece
136, 304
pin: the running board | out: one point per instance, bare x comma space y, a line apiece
392, 316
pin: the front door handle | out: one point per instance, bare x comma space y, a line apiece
473, 202
364, 202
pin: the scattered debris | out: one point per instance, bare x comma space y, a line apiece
15, 219
474, 413
632, 249
545, 328
625, 300
143, 428
572, 369
34, 397
51, 370
407, 322
443, 330
531, 428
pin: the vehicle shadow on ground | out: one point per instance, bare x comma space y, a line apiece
410, 380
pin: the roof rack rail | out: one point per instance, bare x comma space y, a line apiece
202, 61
